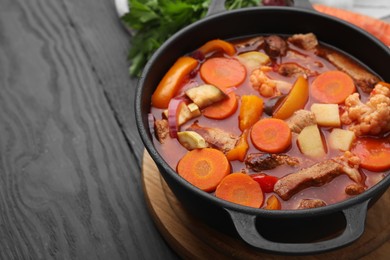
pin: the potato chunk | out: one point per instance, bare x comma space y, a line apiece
310, 142
191, 140
326, 114
341, 139
253, 59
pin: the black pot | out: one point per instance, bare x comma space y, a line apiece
286, 231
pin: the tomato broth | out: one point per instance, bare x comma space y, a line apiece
312, 62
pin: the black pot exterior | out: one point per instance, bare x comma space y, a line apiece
247, 22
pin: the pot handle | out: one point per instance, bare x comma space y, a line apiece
355, 219
217, 6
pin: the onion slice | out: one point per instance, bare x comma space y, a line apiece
173, 106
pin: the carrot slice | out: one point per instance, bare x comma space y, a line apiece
223, 72
241, 189
223, 108
204, 168
250, 111
240, 150
271, 135
332, 87
171, 82
216, 45
373, 153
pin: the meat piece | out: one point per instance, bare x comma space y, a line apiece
311, 203
300, 119
316, 175
306, 41
215, 137
363, 79
265, 161
372, 117
253, 43
161, 129
354, 189
275, 46
291, 69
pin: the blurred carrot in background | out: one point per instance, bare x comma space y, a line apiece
378, 28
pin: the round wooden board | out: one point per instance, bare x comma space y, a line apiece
192, 239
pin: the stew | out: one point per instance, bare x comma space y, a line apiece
274, 121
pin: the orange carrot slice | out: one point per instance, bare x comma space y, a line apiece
251, 110
204, 168
172, 80
223, 72
216, 45
223, 108
373, 153
241, 189
271, 135
332, 87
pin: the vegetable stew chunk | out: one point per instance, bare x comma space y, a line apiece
300, 119
292, 69
311, 203
255, 43
215, 137
265, 161
306, 41
372, 117
354, 189
266, 86
161, 129
275, 46
316, 175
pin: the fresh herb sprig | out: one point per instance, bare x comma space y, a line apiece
154, 21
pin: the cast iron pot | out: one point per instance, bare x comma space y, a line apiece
305, 231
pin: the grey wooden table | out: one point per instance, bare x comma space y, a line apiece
70, 154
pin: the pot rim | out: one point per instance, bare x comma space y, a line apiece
157, 158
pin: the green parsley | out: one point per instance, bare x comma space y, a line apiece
154, 21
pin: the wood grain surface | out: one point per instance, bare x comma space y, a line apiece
194, 240
70, 176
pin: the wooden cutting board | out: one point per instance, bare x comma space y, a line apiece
192, 239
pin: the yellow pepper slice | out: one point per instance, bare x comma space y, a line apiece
171, 82
295, 100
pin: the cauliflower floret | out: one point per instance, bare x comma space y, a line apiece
372, 117
350, 163
267, 87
